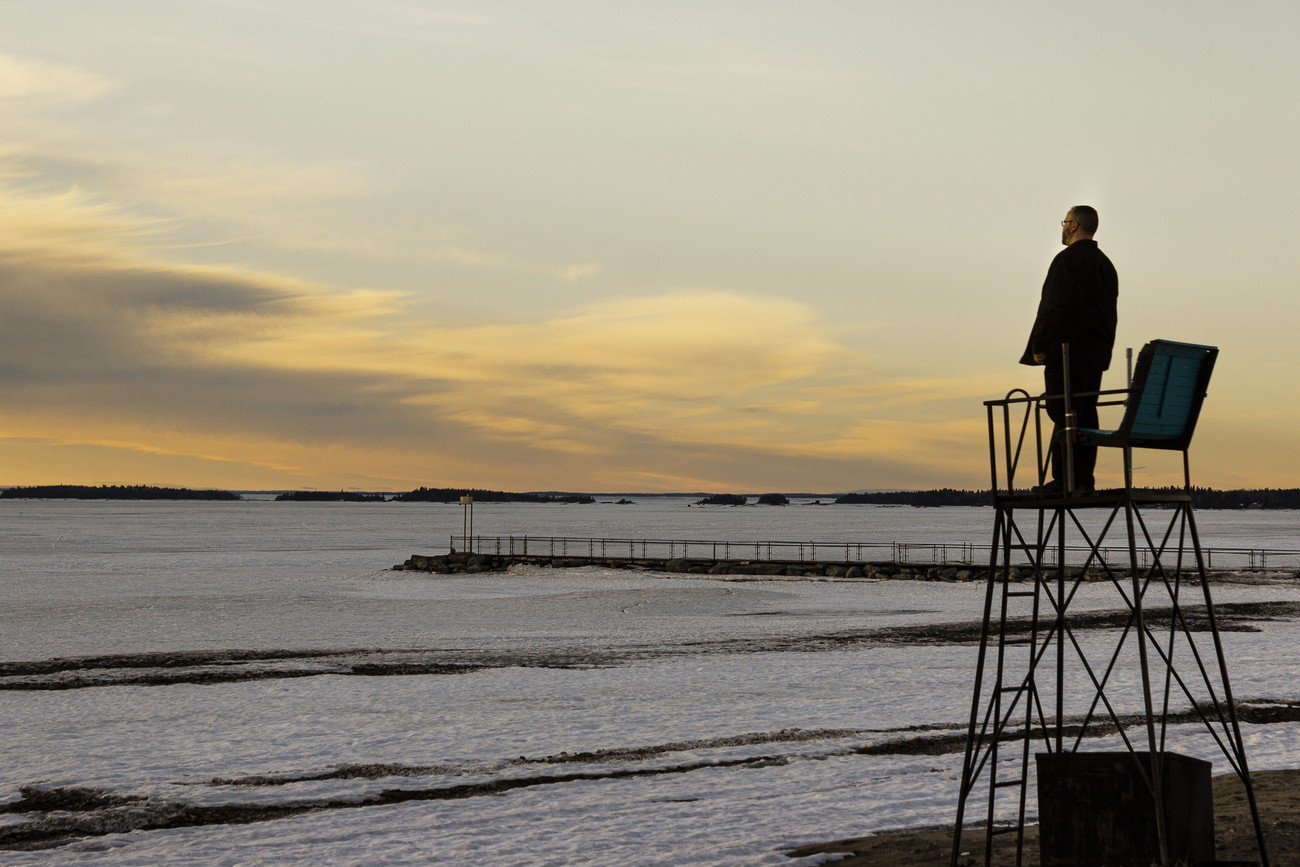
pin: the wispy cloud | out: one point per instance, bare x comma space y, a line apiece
104, 348
114, 344
139, 185
69, 224
26, 81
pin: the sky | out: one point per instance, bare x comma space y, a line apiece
582, 246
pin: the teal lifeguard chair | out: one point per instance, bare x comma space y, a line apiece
1096, 705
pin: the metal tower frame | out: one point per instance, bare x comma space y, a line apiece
1040, 679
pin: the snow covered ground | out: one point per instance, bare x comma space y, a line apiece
246, 684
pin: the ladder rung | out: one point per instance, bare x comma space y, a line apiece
1020, 593
1002, 784
993, 832
1017, 642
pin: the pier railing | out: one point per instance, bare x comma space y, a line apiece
928, 553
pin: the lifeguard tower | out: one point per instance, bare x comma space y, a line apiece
1100, 657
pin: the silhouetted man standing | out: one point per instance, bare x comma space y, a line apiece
1078, 307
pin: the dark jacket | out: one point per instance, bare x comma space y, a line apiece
1078, 307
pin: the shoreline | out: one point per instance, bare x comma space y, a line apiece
1277, 793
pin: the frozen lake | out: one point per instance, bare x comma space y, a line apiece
246, 683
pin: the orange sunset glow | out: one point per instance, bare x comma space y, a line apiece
727, 247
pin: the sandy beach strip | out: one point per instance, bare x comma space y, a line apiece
1278, 793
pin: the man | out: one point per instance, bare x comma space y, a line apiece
1077, 308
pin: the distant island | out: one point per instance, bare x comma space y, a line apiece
723, 500
1202, 498
112, 492
1266, 498
941, 497
739, 500
331, 497
453, 495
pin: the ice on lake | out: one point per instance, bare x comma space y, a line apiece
253, 675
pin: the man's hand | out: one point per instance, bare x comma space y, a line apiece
1040, 358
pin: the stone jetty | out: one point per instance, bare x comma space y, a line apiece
463, 562
457, 563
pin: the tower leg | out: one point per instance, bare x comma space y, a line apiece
1238, 743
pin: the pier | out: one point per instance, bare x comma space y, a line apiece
927, 561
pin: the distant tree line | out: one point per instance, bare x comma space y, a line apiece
150, 492
723, 500
740, 500
113, 492
941, 497
331, 497
1265, 498
453, 495
1202, 498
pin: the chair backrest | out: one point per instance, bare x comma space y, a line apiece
1169, 385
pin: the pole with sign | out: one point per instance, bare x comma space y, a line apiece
467, 513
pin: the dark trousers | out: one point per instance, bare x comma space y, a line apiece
1085, 415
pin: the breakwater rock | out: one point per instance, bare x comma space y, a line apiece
456, 563
465, 562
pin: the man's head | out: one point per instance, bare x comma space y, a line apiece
1080, 222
